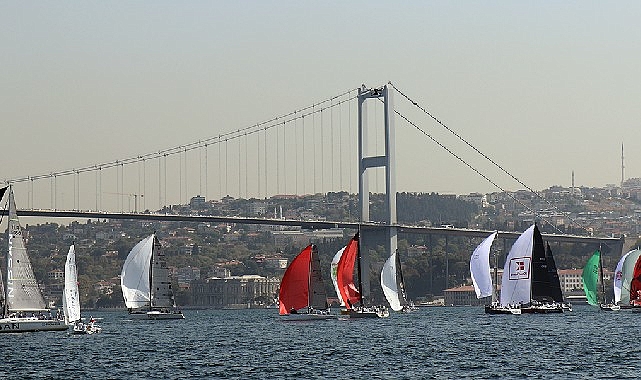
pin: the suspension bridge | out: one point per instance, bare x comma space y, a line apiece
325, 147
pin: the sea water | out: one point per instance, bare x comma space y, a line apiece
437, 343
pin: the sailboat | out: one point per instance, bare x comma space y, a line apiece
302, 287
527, 280
145, 282
627, 280
23, 308
591, 276
71, 298
394, 286
482, 279
350, 291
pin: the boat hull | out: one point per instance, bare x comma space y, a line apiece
308, 317
16, 325
542, 310
502, 310
156, 315
367, 312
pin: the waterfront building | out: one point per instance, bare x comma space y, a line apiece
235, 292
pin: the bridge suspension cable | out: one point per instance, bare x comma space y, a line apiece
439, 122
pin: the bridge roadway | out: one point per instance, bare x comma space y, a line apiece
615, 244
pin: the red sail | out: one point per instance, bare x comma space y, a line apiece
345, 274
635, 285
294, 287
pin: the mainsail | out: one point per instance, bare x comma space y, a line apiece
554, 284
515, 285
540, 273
22, 291
389, 283
345, 274
162, 295
71, 300
480, 268
590, 278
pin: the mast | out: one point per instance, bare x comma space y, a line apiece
601, 274
151, 270
309, 278
358, 259
2, 280
495, 291
400, 277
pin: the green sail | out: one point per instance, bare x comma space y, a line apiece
590, 278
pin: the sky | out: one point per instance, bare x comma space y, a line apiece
544, 88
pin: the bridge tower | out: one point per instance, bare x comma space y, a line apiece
385, 235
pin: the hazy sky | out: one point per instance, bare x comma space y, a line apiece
544, 88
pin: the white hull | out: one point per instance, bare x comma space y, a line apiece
15, 325
154, 315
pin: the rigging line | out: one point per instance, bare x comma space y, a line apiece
304, 151
472, 168
314, 145
473, 147
159, 185
144, 184
277, 162
258, 166
220, 172
239, 171
296, 156
246, 168
331, 145
340, 146
322, 176
265, 162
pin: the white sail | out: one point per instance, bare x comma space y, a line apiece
71, 300
618, 278
22, 291
480, 268
134, 279
627, 273
334, 273
516, 285
389, 283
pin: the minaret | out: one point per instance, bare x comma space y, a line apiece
572, 193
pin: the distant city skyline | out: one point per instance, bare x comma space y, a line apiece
544, 89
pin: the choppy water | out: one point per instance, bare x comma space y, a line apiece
441, 343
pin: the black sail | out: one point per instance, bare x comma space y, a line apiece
540, 272
553, 276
